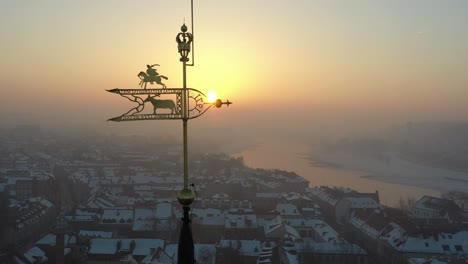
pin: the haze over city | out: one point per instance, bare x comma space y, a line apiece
348, 114
300, 67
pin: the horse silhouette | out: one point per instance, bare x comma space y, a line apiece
145, 78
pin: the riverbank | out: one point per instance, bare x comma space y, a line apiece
297, 158
396, 170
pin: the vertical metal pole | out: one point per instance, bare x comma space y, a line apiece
193, 33
186, 254
186, 197
185, 119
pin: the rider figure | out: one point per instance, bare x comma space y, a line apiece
151, 71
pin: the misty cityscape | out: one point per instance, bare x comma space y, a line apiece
116, 195
329, 132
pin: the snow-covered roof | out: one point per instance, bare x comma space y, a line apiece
85, 212
101, 199
268, 195
302, 222
442, 243
244, 247
395, 235
12, 180
237, 221
436, 204
322, 229
30, 210
50, 240
293, 196
365, 227
326, 232
139, 188
143, 246
29, 203
99, 234
425, 261
325, 195
220, 196
44, 202
36, 255
117, 216
88, 218
292, 257
362, 202
269, 184
281, 230
164, 210
103, 246
312, 210
226, 203
144, 219
266, 222
208, 216
144, 178
330, 248
287, 209
109, 246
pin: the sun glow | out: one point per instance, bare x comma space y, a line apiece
211, 96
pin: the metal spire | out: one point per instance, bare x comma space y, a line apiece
178, 103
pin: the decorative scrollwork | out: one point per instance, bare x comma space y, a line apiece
141, 97
196, 103
138, 108
197, 106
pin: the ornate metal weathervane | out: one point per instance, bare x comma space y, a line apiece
171, 104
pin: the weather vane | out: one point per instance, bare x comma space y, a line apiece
171, 104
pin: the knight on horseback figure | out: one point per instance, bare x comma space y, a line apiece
151, 76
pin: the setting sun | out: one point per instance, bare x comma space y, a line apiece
211, 96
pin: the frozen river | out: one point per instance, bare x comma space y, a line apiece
292, 157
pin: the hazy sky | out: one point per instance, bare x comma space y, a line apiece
289, 66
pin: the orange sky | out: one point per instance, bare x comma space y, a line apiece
322, 61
